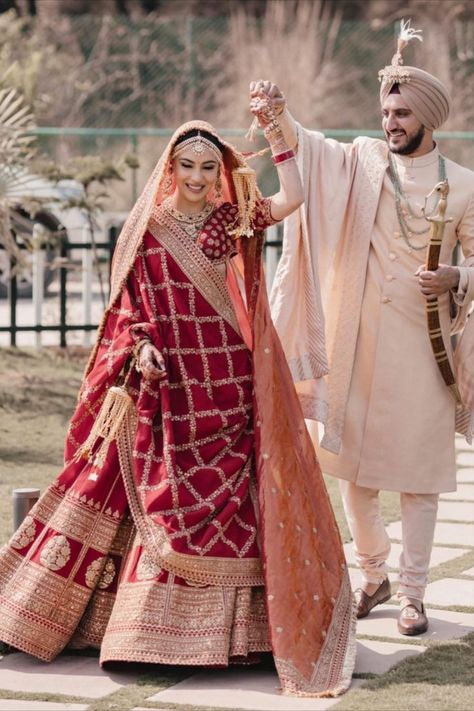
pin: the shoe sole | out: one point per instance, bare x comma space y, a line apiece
412, 632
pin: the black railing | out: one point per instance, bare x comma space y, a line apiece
62, 327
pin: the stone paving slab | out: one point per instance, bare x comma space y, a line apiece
75, 676
236, 688
444, 624
464, 491
450, 591
456, 511
438, 555
461, 534
465, 476
378, 657
468, 572
20, 705
465, 458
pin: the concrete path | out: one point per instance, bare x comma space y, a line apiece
450, 607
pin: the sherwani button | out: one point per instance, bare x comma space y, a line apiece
386, 300
389, 277
397, 235
392, 256
266, 350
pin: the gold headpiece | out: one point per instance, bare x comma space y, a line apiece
395, 73
198, 145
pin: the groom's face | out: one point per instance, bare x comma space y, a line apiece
404, 133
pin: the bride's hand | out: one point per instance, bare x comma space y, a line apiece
266, 101
151, 362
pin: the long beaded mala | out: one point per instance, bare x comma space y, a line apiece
407, 231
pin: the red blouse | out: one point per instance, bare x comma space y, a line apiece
215, 240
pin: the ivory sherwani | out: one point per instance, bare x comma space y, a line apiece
384, 403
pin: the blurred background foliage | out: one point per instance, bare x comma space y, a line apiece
158, 63
161, 62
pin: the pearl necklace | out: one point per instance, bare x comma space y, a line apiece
406, 231
191, 224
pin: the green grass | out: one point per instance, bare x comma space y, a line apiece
38, 391
440, 679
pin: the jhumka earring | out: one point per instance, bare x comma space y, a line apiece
218, 187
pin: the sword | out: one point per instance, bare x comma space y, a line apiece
438, 222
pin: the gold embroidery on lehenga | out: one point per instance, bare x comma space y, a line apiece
175, 624
108, 574
99, 574
25, 534
93, 572
147, 568
56, 553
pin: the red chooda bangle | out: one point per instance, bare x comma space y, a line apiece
282, 157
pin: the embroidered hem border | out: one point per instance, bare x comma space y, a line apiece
332, 674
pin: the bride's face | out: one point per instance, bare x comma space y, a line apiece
195, 175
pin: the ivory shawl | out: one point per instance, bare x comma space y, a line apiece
318, 288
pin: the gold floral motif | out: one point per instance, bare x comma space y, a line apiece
93, 572
108, 574
147, 568
25, 534
56, 553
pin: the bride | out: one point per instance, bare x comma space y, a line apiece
190, 524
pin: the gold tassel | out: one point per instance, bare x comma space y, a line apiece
117, 403
245, 183
252, 132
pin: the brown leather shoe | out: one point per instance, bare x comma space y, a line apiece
364, 602
412, 621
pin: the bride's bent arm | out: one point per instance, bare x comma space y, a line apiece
290, 195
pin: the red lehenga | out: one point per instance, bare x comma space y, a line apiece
206, 535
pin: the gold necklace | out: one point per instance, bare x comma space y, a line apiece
191, 224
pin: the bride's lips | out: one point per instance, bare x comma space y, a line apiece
195, 188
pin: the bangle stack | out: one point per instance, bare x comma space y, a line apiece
136, 350
280, 150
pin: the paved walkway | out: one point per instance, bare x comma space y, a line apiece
450, 604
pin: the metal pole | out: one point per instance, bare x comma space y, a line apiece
271, 255
62, 296
12, 298
38, 289
86, 284
23, 501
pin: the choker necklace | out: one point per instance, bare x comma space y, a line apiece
407, 231
191, 224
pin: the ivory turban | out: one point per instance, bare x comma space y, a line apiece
423, 93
